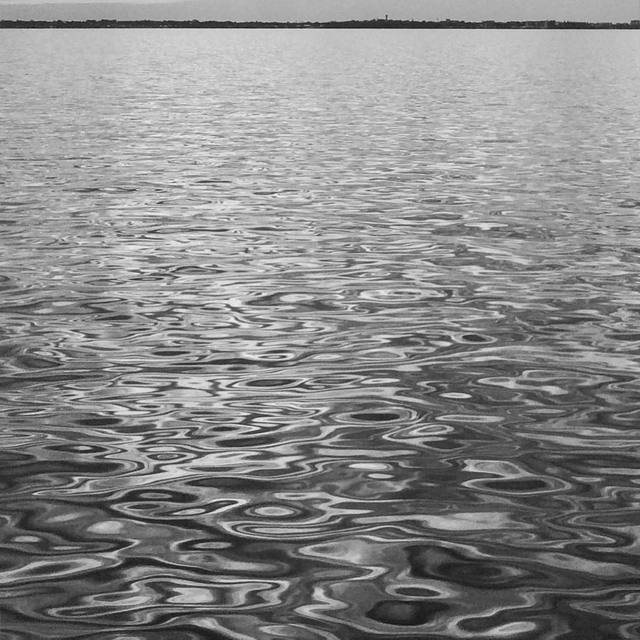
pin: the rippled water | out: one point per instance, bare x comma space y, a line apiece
319, 335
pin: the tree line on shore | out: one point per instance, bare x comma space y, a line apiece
346, 24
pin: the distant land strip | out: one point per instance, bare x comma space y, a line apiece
347, 24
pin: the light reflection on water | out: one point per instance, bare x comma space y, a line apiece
320, 335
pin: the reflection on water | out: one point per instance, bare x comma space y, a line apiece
320, 335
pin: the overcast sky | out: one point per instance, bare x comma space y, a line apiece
614, 10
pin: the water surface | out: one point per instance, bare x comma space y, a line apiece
320, 335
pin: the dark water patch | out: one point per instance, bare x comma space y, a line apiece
630, 204
170, 352
31, 468
26, 361
474, 337
625, 337
406, 612
271, 382
519, 486
371, 416
98, 422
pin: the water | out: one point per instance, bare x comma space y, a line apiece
320, 335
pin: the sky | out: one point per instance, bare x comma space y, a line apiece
302, 10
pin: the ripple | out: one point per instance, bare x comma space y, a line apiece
285, 355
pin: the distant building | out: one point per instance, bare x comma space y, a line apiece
635, 23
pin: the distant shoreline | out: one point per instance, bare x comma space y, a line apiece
347, 24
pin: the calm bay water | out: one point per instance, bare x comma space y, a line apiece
320, 335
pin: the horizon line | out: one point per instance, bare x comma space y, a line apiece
385, 22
